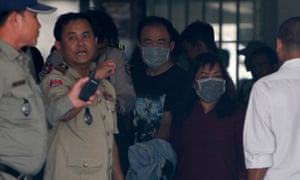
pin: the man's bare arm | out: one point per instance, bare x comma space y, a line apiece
257, 174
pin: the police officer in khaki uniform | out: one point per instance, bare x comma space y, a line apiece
23, 130
121, 79
81, 142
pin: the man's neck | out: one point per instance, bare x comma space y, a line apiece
160, 70
83, 70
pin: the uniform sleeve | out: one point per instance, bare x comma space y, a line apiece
258, 139
55, 98
122, 82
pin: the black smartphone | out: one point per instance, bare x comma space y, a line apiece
89, 88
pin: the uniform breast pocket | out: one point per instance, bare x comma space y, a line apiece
87, 164
22, 91
17, 103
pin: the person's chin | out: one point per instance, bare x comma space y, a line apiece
84, 60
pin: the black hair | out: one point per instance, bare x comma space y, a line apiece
156, 21
225, 106
289, 32
106, 28
4, 15
199, 31
268, 52
136, 62
65, 19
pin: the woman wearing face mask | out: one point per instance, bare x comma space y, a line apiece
209, 140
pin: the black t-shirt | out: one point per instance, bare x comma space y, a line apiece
155, 95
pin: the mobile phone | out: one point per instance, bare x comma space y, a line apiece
89, 88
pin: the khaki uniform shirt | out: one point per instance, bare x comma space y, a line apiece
121, 79
23, 137
78, 150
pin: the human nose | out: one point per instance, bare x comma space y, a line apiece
80, 41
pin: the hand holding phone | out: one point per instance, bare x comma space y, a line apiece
89, 88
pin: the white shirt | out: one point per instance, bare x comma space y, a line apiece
272, 125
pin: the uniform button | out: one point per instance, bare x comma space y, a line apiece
107, 133
109, 150
85, 165
109, 110
104, 117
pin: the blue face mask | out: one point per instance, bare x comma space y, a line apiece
155, 57
210, 89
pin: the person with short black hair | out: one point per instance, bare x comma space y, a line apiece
260, 62
81, 141
198, 37
23, 128
271, 130
157, 86
160, 83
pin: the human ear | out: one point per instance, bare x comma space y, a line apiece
57, 45
172, 45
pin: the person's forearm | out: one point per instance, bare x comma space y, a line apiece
163, 131
257, 174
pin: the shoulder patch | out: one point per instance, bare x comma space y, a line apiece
46, 69
55, 82
62, 68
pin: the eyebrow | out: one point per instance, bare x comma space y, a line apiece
84, 32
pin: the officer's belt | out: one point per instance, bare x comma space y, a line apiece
9, 170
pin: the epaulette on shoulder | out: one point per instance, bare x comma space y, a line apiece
61, 68
118, 46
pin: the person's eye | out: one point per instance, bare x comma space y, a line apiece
162, 42
204, 76
86, 36
147, 43
71, 38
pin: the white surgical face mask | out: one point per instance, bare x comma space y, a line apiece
210, 89
155, 57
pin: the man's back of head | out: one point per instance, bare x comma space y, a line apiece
289, 39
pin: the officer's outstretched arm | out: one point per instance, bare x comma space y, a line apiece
77, 103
